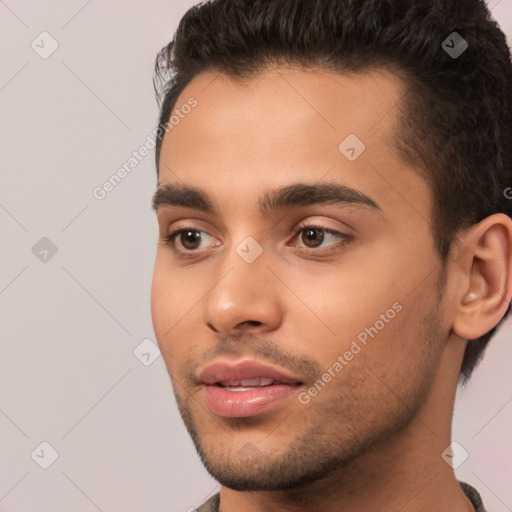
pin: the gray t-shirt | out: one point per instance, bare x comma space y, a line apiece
212, 504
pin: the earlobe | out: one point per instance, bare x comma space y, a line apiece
487, 266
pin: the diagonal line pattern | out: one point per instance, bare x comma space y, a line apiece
74, 218
494, 6
102, 397
389, 110
400, 400
280, 423
455, 237
96, 300
190, 395
487, 423
508, 508
81, 491
198, 301
5, 495
76, 14
14, 423
315, 183
429, 273
302, 96
398, 193
419, 491
99, 99
170, 170
13, 13
210, 83
14, 76
14, 218
209, 495
13, 279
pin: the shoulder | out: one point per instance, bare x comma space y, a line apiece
473, 496
210, 505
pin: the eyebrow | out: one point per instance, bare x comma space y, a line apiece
297, 194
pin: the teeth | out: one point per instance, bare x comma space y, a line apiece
257, 381
251, 382
245, 384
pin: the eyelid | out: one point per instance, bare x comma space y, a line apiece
169, 239
344, 237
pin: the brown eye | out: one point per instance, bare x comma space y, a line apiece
312, 237
317, 238
189, 238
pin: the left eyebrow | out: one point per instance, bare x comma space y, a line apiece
297, 194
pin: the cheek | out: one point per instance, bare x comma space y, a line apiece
344, 303
368, 300
175, 299
172, 295
168, 300
160, 300
365, 382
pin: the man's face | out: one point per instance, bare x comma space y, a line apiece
335, 304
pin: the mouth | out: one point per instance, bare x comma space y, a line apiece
246, 388
251, 384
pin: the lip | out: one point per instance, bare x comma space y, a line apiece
231, 403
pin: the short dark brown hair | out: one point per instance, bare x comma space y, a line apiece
456, 117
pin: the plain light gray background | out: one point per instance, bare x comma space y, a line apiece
72, 320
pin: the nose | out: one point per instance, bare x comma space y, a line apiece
244, 299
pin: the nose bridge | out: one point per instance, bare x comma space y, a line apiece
243, 268
240, 293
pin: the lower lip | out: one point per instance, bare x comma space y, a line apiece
243, 404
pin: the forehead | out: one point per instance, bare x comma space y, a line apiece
283, 94
289, 124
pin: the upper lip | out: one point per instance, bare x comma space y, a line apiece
224, 371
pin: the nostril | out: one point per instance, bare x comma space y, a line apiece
212, 327
252, 322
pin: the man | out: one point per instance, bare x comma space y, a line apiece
335, 243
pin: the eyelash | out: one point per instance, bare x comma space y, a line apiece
168, 240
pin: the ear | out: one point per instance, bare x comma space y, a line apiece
485, 289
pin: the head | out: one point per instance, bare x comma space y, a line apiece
352, 122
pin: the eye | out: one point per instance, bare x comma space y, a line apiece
189, 238
313, 236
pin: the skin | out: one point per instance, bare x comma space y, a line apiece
372, 438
